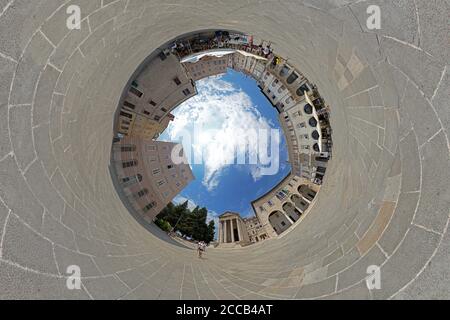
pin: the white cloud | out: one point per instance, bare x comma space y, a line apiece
224, 118
180, 199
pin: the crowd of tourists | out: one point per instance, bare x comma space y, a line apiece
220, 40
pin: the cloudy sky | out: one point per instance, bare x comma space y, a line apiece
226, 115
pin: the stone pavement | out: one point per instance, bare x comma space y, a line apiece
385, 200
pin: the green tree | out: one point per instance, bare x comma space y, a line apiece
189, 223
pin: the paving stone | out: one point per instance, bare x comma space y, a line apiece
57, 232
66, 258
56, 27
440, 100
23, 203
422, 69
421, 114
44, 94
105, 288
317, 289
407, 261
28, 70
409, 153
434, 201
28, 249
376, 229
44, 191
434, 28
18, 284
22, 141
434, 281
360, 290
358, 271
400, 222
75, 222
345, 261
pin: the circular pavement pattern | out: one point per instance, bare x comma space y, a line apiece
384, 202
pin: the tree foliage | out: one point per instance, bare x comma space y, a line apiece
192, 224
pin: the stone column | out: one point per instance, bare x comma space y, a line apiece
289, 218
227, 227
232, 230
220, 231
239, 229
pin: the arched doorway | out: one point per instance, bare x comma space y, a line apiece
291, 211
306, 192
300, 203
279, 221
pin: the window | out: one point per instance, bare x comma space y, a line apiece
312, 122
126, 114
177, 81
288, 100
170, 166
315, 135
178, 184
156, 171
128, 148
161, 183
128, 164
308, 108
151, 148
142, 193
129, 105
283, 223
146, 113
301, 125
153, 103
163, 109
157, 118
136, 92
292, 78
149, 206
186, 92
162, 56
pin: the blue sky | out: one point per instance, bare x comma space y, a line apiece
224, 106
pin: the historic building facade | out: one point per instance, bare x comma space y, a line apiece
148, 175
145, 110
285, 204
232, 230
247, 63
255, 230
207, 66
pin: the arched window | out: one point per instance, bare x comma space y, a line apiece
292, 78
284, 71
312, 122
315, 135
308, 108
301, 90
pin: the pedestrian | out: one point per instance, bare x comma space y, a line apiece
199, 249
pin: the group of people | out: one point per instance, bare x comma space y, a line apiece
201, 248
220, 39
